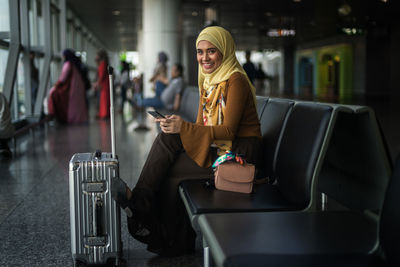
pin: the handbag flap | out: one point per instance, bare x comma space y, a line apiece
236, 172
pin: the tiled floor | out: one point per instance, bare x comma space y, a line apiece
34, 198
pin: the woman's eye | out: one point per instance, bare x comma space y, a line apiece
211, 51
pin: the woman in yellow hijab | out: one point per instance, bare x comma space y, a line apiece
226, 120
227, 109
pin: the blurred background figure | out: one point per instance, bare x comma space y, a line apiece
102, 85
138, 88
67, 99
34, 78
124, 82
6, 128
249, 67
161, 68
160, 73
259, 80
171, 96
86, 80
168, 98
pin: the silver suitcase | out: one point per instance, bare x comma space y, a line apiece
95, 216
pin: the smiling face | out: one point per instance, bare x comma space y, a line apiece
174, 71
208, 56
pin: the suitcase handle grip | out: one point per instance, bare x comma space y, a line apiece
110, 70
98, 224
110, 77
97, 154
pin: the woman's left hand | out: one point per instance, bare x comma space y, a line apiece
171, 124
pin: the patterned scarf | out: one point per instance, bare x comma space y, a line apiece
213, 102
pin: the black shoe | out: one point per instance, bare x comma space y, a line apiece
141, 127
5, 152
118, 193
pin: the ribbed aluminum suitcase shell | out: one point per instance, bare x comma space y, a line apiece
95, 216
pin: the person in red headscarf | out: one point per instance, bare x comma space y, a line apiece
67, 99
102, 85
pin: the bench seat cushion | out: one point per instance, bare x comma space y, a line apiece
289, 238
258, 260
210, 200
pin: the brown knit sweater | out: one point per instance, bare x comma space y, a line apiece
240, 119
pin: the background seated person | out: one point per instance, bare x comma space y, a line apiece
6, 128
169, 97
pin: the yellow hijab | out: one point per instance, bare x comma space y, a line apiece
224, 42
213, 86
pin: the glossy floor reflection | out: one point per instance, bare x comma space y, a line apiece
34, 197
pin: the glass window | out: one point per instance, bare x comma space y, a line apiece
55, 71
3, 65
20, 82
40, 64
18, 98
55, 29
33, 22
40, 25
36, 23
78, 45
4, 16
70, 35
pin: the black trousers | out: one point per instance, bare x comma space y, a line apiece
160, 218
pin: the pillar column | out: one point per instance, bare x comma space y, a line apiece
160, 32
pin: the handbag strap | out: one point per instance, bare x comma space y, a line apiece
229, 156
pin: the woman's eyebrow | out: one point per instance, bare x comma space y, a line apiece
206, 49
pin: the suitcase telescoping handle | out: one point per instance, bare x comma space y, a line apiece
110, 77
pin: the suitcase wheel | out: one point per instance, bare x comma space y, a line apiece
123, 263
78, 263
117, 262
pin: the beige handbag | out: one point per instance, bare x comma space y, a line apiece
235, 177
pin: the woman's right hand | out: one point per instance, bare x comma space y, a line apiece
171, 124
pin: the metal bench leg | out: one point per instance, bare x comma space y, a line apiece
206, 257
207, 261
324, 201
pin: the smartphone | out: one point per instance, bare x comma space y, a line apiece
155, 114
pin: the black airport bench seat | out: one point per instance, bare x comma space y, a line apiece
293, 135
287, 238
306, 239
328, 170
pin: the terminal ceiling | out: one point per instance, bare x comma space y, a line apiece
117, 22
